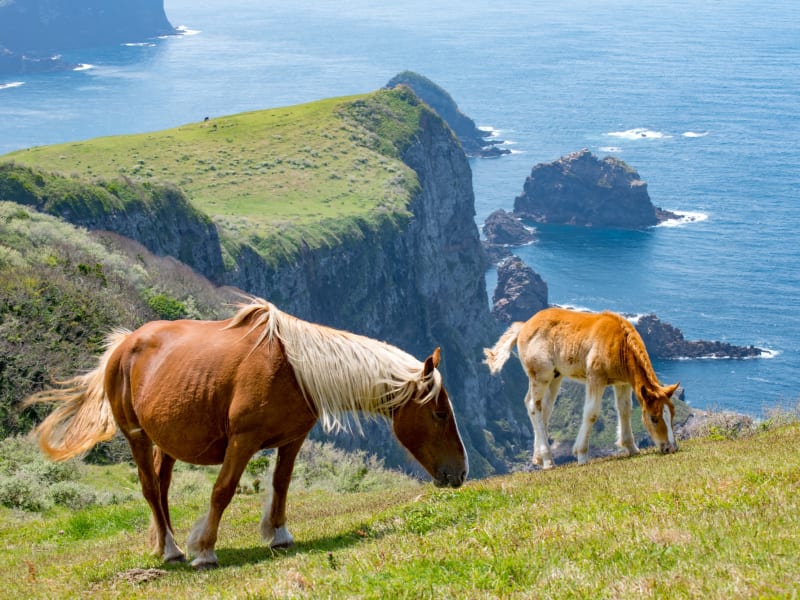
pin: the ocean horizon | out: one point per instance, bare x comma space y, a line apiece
702, 100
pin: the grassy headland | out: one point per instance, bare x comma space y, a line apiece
271, 178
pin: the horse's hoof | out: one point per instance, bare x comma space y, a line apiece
204, 566
282, 545
179, 558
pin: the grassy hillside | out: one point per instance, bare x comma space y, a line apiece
719, 519
62, 288
272, 177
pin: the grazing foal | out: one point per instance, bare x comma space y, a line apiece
600, 349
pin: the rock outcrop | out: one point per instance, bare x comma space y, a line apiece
665, 341
580, 189
520, 292
503, 229
474, 140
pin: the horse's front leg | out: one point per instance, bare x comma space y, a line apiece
273, 521
203, 536
622, 395
591, 410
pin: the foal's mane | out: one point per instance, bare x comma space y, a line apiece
639, 364
340, 372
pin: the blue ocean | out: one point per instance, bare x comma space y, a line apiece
702, 99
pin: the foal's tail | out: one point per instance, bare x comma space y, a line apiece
83, 415
496, 357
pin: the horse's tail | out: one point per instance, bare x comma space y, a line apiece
496, 357
83, 416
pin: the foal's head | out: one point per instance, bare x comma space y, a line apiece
658, 412
428, 430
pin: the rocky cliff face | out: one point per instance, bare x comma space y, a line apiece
475, 141
580, 189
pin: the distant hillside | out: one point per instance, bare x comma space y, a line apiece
34, 32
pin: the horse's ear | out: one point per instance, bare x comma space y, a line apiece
432, 362
671, 389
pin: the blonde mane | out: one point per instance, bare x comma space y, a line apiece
340, 372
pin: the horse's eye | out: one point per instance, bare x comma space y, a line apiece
440, 415
653, 419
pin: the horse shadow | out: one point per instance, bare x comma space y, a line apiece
258, 553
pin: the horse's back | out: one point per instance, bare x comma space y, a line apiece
191, 385
572, 343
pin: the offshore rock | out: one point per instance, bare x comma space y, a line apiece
665, 341
580, 189
502, 228
473, 140
520, 292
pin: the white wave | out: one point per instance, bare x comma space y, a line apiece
684, 217
613, 149
140, 44
13, 84
184, 30
638, 133
83, 67
694, 134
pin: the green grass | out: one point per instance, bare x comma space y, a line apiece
273, 178
719, 519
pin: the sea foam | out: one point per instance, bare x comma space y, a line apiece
13, 84
684, 217
638, 133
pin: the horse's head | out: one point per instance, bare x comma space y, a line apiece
428, 430
658, 413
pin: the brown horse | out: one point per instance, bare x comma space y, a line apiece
211, 392
600, 349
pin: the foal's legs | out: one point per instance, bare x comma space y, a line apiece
591, 410
142, 449
203, 536
622, 394
536, 402
273, 521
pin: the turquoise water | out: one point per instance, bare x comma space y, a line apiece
702, 100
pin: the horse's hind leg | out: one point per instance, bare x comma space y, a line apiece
273, 521
164, 464
622, 395
142, 450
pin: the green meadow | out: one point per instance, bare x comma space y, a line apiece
718, 519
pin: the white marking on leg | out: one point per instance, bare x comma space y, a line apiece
172, 553
282, 538
670, 433
207, 559
193, 543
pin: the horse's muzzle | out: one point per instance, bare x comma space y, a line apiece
447, 479
668, 448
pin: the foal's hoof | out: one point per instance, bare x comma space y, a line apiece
204, 566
